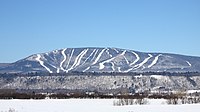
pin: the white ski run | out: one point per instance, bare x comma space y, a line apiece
101, 65
136, 60
189, 63
86, 69
116, 50
42, 63
94, 55
89, 57
72, 52
107, 51
65, 57
154, 61
77, 60
140, 64
145, 61
98, 57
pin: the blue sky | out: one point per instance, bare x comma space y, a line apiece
34, 26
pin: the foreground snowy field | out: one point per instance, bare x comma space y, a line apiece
91, 105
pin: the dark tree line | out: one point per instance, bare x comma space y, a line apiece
11, 75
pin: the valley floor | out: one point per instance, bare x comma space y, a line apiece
91, 105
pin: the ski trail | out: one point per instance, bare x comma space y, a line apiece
65, 57
89, 56
107, 51
119, 69
81, 56
142, 63
77, 60
129, 70
154, 61
42, 63
72, 52
189, 63
58, 70
137, 58
98, 57
139, 65
86, 69
101, 65
113, 66
53, 66
126, 59
115, 50
123, 54
94, 55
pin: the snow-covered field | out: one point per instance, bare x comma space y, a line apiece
91, 105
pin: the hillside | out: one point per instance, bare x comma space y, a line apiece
103, 60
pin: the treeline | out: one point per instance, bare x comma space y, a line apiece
22, 96
11, 75
172, 97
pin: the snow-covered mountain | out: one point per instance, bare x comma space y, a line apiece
103, 60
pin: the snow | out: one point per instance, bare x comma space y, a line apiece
159, 77
137, 58
61, 64
89, 56
101, 65
42, 63
126, 59
189, 63
139, 76
91, 105
98, 57
78, 59
154, 61
142, 63
67, 59
81, 56
115, 50
72, 52
119, 69
107, 51
95, 54
86, 69
128, 70
53, 66
58, 70
193, 91
123, 54
113, 66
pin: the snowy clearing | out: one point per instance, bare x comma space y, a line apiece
91, 105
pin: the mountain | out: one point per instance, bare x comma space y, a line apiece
102, 60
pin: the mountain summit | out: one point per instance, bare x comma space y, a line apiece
103, 60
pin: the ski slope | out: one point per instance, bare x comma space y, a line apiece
103, 60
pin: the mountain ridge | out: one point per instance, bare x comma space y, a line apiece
100, 59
